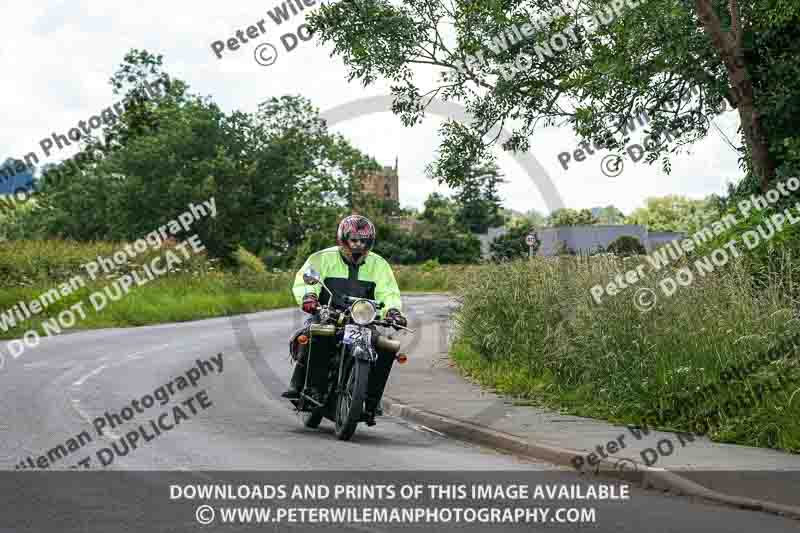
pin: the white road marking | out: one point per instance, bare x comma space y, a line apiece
76, 403
96, 371
87, 376
426, 428
138, 355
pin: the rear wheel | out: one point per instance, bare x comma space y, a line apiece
350, 402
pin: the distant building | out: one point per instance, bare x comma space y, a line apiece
404, 223
383, 184
585, 239
588, 239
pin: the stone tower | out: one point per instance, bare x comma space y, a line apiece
384, 183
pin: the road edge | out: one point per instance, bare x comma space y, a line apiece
647, 477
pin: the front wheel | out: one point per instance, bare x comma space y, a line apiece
350, 402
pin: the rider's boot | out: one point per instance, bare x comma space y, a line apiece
296, 383
371, 410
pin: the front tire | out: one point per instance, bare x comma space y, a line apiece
350, 402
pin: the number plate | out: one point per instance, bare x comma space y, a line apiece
354, 334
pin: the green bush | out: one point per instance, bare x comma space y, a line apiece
249, 262
430, 265
626, 245
512, 244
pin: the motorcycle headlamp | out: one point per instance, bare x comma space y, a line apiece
363, 312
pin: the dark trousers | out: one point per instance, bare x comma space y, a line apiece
378, 376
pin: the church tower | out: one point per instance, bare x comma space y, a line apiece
384, 183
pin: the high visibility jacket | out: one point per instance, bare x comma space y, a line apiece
372, 279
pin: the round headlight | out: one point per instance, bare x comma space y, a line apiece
363, 312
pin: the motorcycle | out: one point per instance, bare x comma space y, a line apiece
341, 349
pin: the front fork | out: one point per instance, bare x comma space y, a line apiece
357, 350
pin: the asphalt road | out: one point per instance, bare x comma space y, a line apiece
237, 422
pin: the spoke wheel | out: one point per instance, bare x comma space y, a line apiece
350, 403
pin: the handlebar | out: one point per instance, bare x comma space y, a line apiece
391, 324
377, 304
383, 323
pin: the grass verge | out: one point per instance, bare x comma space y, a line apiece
532, 331
194, 290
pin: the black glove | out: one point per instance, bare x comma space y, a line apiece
393, 315
310, 303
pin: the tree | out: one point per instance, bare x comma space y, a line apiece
479, 204
535, 218
609, 215
439, 209
674, 213
587, 64
277, 175
512, 245
571, 217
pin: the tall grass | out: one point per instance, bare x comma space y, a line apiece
533, 330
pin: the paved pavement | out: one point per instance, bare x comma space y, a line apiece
58, 390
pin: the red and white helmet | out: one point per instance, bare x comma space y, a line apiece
355, 227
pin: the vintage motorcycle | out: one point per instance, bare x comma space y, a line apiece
340, 350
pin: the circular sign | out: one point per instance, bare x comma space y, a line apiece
530, 239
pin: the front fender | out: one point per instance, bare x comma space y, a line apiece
363, 352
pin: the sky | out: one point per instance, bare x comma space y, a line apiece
58, 55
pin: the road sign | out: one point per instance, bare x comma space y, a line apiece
530, 239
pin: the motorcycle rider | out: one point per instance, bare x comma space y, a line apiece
350, 269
